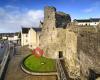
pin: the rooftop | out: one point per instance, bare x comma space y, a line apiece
25, 30
88, 20
37, 29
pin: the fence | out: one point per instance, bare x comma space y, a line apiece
4, 61
60, 70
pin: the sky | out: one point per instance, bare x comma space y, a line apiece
15, 14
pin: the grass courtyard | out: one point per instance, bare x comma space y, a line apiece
40, 64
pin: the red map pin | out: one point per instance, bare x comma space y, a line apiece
37, 52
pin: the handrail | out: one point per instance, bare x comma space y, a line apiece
5, 58
60, 70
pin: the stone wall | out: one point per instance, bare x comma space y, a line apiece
86, 52
54, 43
49, 18
62, 19
50, 27
55, 38
89, 52
71, 55
79, 45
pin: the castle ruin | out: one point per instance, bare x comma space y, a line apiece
79, 46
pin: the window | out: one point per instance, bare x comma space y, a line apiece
26, 40
30, 45
48, 17
26, 35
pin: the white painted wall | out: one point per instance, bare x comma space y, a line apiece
24, 39
88, 23
13, 38
32, 38
4, 37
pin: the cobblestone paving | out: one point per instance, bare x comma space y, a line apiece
14, 71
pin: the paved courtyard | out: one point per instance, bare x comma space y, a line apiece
14, 71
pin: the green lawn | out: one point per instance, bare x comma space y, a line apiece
41, 64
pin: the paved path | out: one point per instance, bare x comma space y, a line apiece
14, 71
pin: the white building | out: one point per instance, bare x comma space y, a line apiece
33, 39
24, 36
4, 37
14, 38
30, 37
10, 36
91, 21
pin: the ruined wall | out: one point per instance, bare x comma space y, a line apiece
84, 52
49, 18
51, 35
62, 19
71, 55
48, 33
89, 51
54, 38
79, 44
53, 47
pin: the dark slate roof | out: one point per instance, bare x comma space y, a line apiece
88, 20
17, 33
84, 20
25, 30
37, 29
95, 19
8, 34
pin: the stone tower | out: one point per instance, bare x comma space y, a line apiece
49, 32
49, 18
53, 34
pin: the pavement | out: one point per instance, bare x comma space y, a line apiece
14, 71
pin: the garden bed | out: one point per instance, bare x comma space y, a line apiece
39, 64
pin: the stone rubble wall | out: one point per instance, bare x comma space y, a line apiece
62, 19
71, 56
88, 50
80, 45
